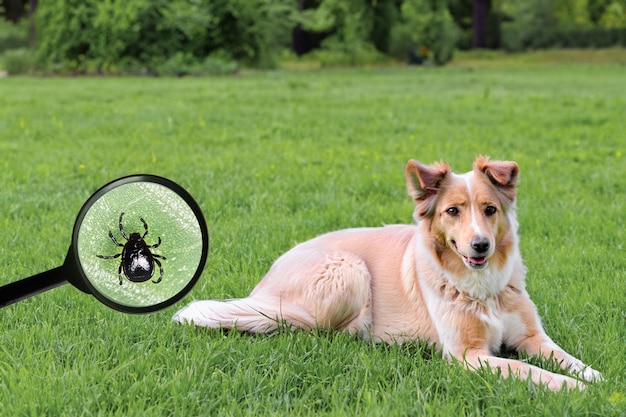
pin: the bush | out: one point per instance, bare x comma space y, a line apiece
348, 25
359, 32
516, 38
13, 35
539, 24
178, 37
170, 36
182, 63
337, 54
428, 25
219, 64
19, 61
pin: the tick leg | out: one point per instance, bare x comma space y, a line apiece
119, 272
156, 245
122, 227
156, 255
114, 239
109, 256
145, 226
156, 261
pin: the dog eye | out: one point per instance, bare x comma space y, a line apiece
453, 211
490, 210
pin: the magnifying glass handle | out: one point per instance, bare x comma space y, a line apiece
27, 287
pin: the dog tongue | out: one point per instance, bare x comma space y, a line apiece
477, 261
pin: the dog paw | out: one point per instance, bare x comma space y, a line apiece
590, 375
584, 372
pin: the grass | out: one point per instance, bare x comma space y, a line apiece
499, 59
275, 158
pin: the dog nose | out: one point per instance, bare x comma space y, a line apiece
480, 244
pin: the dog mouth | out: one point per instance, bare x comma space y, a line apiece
472, 262
479, 262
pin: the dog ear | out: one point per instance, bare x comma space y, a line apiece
423, 183
502, 174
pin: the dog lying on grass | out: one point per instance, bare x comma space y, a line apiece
456, 279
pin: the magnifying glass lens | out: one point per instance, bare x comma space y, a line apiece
141, 243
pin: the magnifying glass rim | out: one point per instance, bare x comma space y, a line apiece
181, 192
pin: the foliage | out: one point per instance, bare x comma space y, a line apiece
76, 35
357, 29
545, 24
597, 8
519, 25
564, 23
182, 36
253, 32
564, 38
336, 54
426, 23
13, 35
614, 15
19, 61
185, 64
275, 158
348, 25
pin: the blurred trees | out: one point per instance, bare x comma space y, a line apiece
536, 24
427, 25
161, 35
195, 36
360, 31
217, 36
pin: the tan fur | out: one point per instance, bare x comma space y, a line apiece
456, 279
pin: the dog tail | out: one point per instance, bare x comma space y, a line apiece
251, 314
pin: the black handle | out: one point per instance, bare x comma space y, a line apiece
27, 287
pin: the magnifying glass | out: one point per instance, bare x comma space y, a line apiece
139, 245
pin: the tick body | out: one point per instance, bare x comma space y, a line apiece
138, 261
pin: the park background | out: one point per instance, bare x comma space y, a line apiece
279, 145
178, 37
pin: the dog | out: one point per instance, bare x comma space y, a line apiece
455, 279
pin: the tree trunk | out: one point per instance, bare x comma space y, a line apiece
479, 23
32, 36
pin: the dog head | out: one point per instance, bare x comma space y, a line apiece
466, 214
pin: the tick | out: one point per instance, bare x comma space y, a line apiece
137, 260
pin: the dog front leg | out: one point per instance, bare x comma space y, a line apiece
541, 345
474, 360
532, 339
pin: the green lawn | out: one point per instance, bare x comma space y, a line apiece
276, 158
